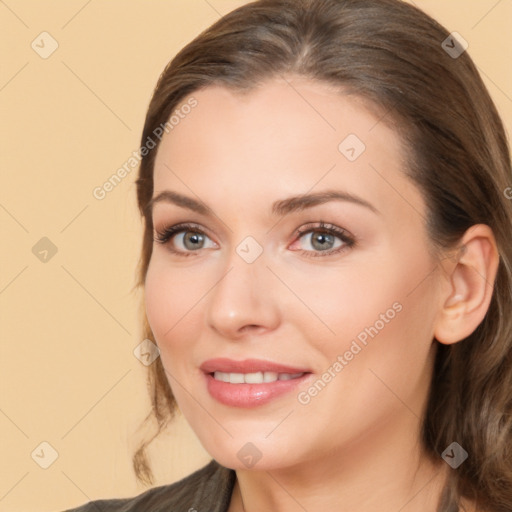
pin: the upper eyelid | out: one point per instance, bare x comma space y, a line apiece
298, 233
183, 226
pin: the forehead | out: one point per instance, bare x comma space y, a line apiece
285, 137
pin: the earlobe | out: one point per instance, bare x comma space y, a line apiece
470, 286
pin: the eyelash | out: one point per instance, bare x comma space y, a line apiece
163, 237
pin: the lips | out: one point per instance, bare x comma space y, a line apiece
252, 382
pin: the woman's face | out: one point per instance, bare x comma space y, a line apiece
354, 310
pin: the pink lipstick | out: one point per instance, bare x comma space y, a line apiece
251, 382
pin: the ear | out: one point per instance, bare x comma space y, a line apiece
468, 286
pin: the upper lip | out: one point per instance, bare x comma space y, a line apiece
225, 365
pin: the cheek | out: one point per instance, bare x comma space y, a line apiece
157, 300
385, 307
392, 325
175, 301
384, 339
169, 300
336, 304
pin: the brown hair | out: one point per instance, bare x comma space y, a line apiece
391, 54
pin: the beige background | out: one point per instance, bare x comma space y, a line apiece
69, 325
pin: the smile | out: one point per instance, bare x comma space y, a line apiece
254, 378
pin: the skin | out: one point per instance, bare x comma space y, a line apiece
355, 446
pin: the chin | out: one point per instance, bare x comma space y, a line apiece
247, 455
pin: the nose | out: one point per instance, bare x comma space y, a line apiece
244, 299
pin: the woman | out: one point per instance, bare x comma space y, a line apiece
327, 265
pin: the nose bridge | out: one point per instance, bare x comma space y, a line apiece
244, 273
242, 295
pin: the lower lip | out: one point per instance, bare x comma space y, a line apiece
250, 395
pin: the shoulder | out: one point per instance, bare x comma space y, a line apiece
208, 488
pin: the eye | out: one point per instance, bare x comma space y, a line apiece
190, 237
322, 239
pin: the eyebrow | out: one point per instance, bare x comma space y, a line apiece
279, 208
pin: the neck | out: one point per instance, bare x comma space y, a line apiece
385, 470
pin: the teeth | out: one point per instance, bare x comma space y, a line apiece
254, 378
270, 376
289, 376
236, 378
